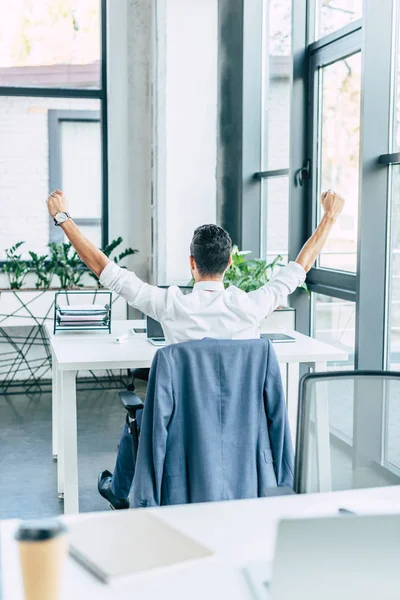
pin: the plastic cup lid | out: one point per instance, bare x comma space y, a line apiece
40, 530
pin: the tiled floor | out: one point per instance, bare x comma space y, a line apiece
28, 485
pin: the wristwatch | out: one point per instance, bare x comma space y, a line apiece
61, 217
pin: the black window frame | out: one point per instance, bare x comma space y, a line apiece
55, 118
96, 93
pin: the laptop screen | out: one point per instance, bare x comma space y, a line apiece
154, 329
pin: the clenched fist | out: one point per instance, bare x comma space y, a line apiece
56, 202
332, 204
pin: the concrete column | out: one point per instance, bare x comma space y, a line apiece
130, 52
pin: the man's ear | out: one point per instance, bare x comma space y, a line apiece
229, 263
192, 263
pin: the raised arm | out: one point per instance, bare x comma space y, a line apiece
276, 291
149, 299
94, 258
333, 205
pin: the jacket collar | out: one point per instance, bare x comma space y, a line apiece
209, 286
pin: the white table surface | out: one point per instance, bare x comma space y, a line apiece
238, 532
93, 350
98, 350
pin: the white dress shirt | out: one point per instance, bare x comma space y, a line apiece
210, 310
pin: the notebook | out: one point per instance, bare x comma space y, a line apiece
129, 542
278, 337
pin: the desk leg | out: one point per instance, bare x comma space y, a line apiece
322, 434
70, 443
60, 435
283, 370
55, 404
292, 397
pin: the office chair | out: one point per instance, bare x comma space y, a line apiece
348, 431
132, 403
192, 446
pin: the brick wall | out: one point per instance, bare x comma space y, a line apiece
24, 168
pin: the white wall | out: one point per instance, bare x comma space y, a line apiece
185, 129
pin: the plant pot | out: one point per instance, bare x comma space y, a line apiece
281, 320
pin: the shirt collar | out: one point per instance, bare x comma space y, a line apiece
209, 286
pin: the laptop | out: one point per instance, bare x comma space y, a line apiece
345, 557
155, 333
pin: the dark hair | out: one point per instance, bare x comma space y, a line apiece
211, 249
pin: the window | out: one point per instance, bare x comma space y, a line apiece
334, 14
277, 70
334, 323
75, 137
27, 175
50, 139
391, 448
394, 228
339, 140
275, 221
50, 43
276, 128
394, 274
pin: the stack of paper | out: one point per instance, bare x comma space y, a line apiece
84, 315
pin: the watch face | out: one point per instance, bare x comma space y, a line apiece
61, 217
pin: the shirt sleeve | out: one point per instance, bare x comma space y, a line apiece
276, 291
149, 299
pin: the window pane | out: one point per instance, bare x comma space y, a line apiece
339, 156
50, 43
275, 217
334, 323
392, 427
93, 233
392, 398
394, 273
334, 14
396, 140
81, 167
277, 69
25, 168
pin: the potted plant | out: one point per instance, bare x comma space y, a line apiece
117, 258
251, 274
15, 267
42, 267
66, 265
31, 306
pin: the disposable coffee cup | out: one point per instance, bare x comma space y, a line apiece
42, 550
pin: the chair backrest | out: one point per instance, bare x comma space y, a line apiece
348, 431
205, 434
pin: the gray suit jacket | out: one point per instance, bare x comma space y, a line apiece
214, 425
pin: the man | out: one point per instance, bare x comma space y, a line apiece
210, 311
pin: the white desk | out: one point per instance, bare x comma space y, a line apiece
238, 532
74, 351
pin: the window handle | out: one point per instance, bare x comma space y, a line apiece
303, 174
